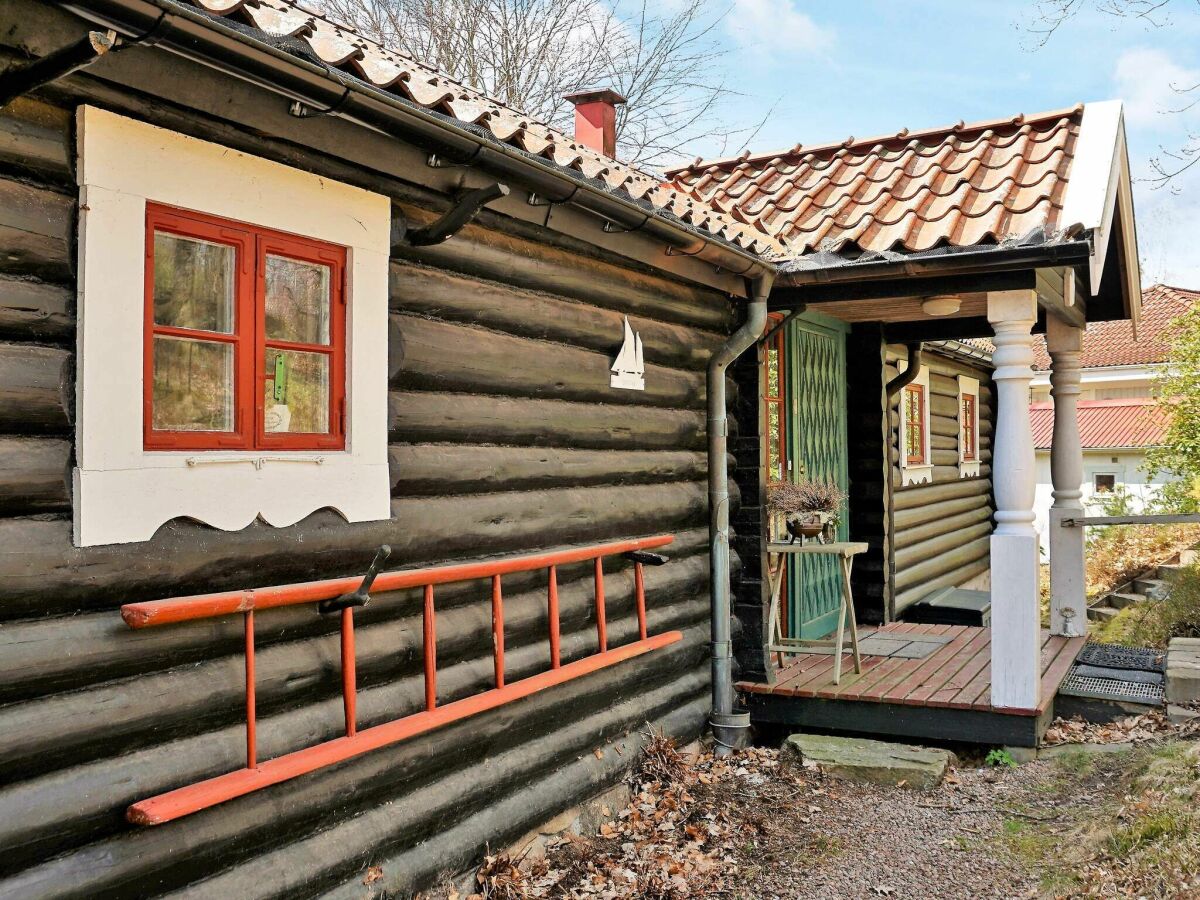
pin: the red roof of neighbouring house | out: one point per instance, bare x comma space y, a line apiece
1105, 424
397, 73
1112, 343
957, 186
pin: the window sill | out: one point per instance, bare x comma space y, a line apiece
916, 475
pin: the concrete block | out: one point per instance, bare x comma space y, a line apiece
1183, 670
1120, 601
877, 762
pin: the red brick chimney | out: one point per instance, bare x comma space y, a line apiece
596, 119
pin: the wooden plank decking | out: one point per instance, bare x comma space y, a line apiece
945, 695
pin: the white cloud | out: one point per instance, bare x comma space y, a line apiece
776, 27
1148, 81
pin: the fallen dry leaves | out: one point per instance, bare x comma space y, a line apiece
1149, 726
677, 838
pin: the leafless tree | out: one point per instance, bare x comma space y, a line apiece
1052, 15
665, 59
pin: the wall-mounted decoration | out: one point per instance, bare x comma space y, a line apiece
629, 368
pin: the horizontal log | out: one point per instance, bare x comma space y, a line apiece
507, 817
34, 475
923, 495
35, 389
942, 475
918, 515
913, 554
65, 808
533, 314
922, 572
35, 139
111, 718
427, 469
954, 578
44, 573
37, 231
440, 356
946, 523
465, 418
63, 653
32, 310
519, 261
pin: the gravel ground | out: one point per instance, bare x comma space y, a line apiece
756, 826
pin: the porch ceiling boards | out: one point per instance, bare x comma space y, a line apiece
944, 696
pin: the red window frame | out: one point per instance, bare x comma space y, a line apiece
248, 337
914, 424
969, 417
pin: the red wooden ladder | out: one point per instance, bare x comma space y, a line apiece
257, 775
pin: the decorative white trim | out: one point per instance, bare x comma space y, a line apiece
968, 468
914, 473
1098, 190
124, 493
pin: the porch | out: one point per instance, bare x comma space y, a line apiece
922, 682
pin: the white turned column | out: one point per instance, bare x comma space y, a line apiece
1016, 675
1068, 609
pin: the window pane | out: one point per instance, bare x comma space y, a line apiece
772, 372
297, 392
774, 424
193, 283
297, 301
193, 385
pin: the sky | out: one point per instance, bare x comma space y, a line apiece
865, 68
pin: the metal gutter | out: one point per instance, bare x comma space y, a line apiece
209, 41
991, 260
729, 728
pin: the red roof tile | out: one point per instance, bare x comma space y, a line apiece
1105, 424
1112, 343
958, 186
400, 74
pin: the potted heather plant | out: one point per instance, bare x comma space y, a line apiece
809, 508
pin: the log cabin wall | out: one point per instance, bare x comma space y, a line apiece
940, 530
504, 438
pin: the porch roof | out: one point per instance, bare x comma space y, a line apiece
978, 195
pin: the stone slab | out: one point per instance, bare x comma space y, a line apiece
1069, 749
1181, 715
876, 762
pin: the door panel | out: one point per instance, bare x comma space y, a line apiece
817, 446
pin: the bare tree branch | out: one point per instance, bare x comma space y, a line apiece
528, 54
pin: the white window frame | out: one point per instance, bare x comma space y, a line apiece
967, 468
915, 473
123, 492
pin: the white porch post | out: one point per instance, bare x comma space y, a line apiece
1016, 664
1068, 612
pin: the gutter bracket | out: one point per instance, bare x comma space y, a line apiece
19, 81
458, 216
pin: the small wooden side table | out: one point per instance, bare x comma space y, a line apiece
776, 642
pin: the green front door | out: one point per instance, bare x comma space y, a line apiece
816, 428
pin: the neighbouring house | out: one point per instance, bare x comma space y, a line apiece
281, 309
1119, 419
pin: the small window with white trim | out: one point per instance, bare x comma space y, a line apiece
915, 458
232, 357
968, 427
1104, 483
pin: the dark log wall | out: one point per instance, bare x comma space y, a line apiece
941, 529
505, 437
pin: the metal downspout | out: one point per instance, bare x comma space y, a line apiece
729, 728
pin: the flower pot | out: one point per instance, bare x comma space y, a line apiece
808, 527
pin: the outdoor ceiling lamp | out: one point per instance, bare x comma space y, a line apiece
941, 305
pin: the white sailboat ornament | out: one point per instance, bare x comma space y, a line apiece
629, 368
